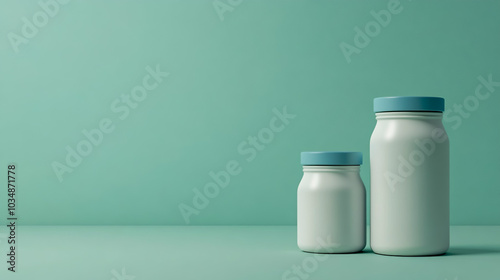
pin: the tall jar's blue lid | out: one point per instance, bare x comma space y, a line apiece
331, 158
408, 103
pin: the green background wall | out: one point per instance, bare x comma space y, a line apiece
228, 71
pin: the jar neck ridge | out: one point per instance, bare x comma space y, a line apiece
410, 115
331, 168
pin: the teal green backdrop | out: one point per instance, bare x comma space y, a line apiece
101, 134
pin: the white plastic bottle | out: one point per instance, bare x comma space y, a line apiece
409, 161
331, 203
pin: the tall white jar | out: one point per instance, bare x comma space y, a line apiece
409, 162
331, 202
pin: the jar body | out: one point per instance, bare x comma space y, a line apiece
331, 210
409, 161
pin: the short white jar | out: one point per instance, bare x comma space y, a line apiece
331, 203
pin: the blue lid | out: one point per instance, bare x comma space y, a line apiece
408, 103
331, 158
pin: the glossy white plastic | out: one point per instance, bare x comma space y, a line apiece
331, 210
409, 161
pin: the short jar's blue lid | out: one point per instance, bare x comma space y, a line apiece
331, 158
408, 103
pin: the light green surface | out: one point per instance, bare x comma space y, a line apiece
265, 252
225, 79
